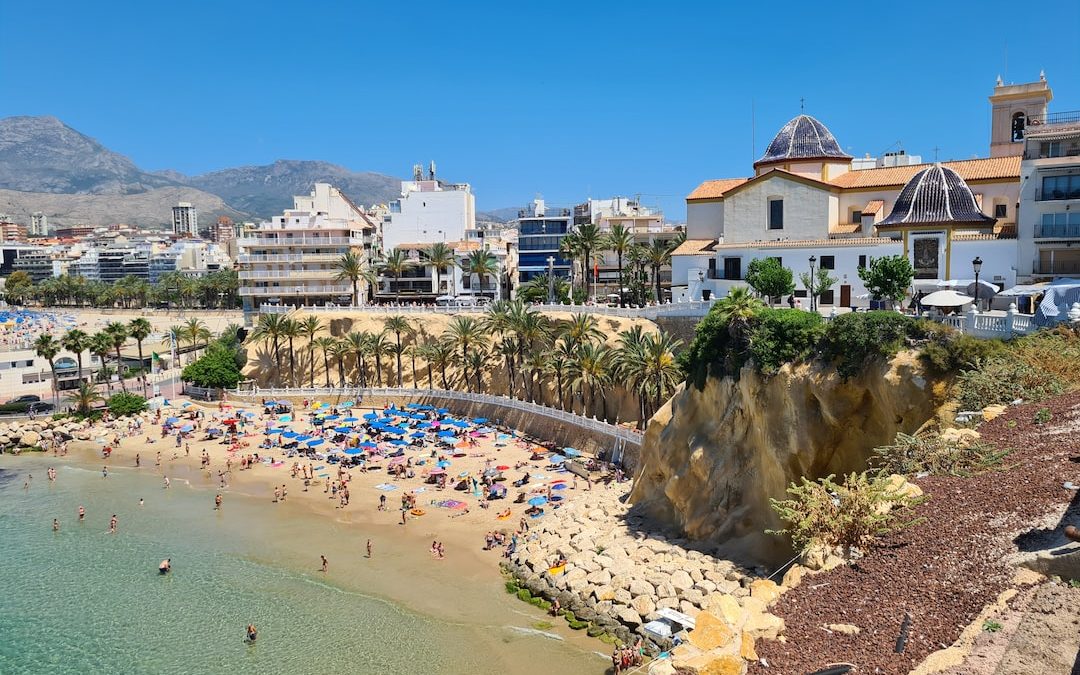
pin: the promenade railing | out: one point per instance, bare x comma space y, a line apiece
359, 394
695, 309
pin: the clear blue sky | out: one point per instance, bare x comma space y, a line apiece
566, 99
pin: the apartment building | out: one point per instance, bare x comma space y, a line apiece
429, 210
185, 220
540, 231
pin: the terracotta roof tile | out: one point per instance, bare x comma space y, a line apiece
873, 207
715, 189
694, 247
970, 169
845, 228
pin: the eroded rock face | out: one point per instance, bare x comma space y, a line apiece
712, 458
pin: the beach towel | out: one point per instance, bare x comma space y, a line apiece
386, 487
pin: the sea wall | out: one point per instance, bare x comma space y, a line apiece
713, 457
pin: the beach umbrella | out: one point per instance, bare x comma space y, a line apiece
946, 299
571, 452
396, 461
399, 441
395, 430
330, 418
369, 445
449, 435
315, 441
411, 406
417, 434
371, 416
172, 420
353, 451
187, 427
275, 430
557, 459
479, 420
351, 419
443, 464
289, 434
342, 430
538, 501
249, 415
459, 423
285, 418
437, 472
559, 486
424, 425
442, 411
303, 438
497, 488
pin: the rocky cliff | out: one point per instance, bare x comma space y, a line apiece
713, 457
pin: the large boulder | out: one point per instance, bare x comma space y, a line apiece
643, 605
711, 632
30, 439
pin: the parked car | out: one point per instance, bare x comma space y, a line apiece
26, 403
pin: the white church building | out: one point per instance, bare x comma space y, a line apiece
808, 198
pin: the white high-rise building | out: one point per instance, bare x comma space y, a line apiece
185, 219
428, 211
39, 224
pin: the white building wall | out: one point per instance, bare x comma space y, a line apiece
430, 216
704, 220
806, 211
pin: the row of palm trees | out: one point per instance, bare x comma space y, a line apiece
568, 363
587, 244
102, 344
217, 289
352, 267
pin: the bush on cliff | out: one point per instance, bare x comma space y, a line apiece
126, 403
935, 454
780, 336
853, 340
1031, 368
216, 369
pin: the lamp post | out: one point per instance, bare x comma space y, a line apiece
813, 298
976, 264
551, 279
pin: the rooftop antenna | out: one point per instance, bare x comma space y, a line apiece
936, 148
753, 133
431, 169
802, 105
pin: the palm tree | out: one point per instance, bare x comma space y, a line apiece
439, 255
397, 324
290, 329
619, 240
76, 342
47, 347
396, 263
535, 363
84, 398
663, 372
413, 350
379, 346
424, 352
270, 327
590, 373
195, 330
483, 264
465, 332
589, 241
119, 335
658, 254
100, 346
140, 329
339, 350
309, 328
531, 330
476, 360
736, 310
582, 329
358, 344
352, 267
440, 354
326, 345
559, 358
570, 248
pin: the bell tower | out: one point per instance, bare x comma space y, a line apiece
1011, 108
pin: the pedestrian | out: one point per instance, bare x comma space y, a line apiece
166, 482
104, 472
112, 524
369, 548
136, 460
325, 563
217, 502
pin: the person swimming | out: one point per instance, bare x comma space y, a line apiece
252, 633
165, 567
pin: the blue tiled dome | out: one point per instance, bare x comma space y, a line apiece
802, 138
936, 195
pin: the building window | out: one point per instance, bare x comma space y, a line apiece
828, 262
826, 298
1019, 121
733, 269
856, 217
776, 214
1001, 210
1050, 149
1061, 187
862, 262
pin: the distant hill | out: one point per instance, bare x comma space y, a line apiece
43, 161
267, 190
503, 215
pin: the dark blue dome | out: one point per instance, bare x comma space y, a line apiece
802, 138
936, 194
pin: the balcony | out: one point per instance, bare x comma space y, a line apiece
287, 274
1057, 268
249, 259
301, 241
1066, 117
297, 290
1057, 231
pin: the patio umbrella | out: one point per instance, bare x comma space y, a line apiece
571, 452
479, 420
275, 430
330, 418
442, 411
538, 501
353, 451
315, 441
342, 430
370, 416
446, 434
946, 299
289, 434
557, 459
443, 464
172, 420
187, 427
397, 460
303, 438
399, 441
559, 486
417, 434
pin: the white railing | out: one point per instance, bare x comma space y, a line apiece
287, 274
313, 289
697, 309
254, 258
359, 394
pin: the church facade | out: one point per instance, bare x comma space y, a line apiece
808, 198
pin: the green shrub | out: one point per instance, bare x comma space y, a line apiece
708, 348
60, 416
216, 369
852, 340
780, 336
991, 626
847, 514
512, 587
1004, 379
569, 616
594, 631
524, 594
1043, 416
126, 403
954, 353
930, 453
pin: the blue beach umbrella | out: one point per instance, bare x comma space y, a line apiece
315, 441
443, 464
479, 420
353, 451
559, 486
351, 419
571, 452
538, 501
342, 430
442, 411
446, 434
459, 423
557, 459
399, 441
275, 430
330, 418
417, 434
369, 445
187, 427
371, 416
172, 420
289, 434
424, 425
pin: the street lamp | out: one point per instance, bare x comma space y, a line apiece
551, 279
813, 298
976, 264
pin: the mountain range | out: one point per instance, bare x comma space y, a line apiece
47, 166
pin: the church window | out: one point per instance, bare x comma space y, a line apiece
1001, 210
1019, 121
776, 214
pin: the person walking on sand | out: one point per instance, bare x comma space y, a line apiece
369, 548
112, 524
325, 563
166, 482
104, 472
217, 502
277, 494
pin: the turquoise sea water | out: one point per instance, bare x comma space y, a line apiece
84, 601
